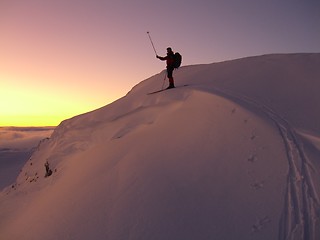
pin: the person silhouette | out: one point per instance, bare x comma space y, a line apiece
170, 66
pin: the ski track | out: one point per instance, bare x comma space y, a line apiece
300, 216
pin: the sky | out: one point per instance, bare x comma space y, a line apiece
61, 58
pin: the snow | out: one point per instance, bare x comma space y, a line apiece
16, 146
233, 155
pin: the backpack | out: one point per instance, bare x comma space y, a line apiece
177, 60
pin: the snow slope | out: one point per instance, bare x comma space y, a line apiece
233, 155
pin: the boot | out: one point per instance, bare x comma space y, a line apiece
170, 86
171, 83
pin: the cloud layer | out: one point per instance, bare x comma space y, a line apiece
22, 138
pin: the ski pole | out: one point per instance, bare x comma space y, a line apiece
165, 76
152, 43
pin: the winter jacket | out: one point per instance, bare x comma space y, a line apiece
169, 59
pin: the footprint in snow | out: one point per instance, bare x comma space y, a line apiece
252, 158
260, 223
257, 185
253, 137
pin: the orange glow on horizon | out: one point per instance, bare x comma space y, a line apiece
26, 101
31, 121
34, 102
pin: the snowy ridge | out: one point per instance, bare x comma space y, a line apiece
233, 155
300, 218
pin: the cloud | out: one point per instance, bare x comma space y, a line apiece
21, 138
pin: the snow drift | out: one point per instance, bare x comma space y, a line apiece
232, 155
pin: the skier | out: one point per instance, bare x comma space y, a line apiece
170, 65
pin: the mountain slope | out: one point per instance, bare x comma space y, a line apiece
233, 155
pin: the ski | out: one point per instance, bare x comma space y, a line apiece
158, 91
165, 89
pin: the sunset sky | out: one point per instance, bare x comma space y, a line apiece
61, 58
